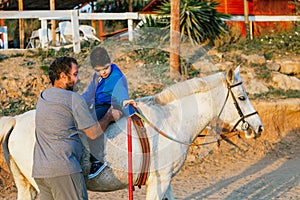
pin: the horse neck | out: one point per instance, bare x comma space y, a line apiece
218, 91
186, 117
214, 99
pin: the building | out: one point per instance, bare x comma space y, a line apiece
255, 8
260, 8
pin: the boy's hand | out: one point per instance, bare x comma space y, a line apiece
130, 101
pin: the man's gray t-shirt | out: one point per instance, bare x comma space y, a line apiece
59, 115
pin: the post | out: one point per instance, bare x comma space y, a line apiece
175, 38
53, 24
246, 15
44, 32
130, 29
100, 25
21, 26
75, 28
129, 142
251, 30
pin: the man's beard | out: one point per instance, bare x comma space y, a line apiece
72, 86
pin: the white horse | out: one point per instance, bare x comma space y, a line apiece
181, 111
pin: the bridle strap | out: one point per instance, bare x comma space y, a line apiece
235, 102
234, 99
239, 110
234, 85
243, 119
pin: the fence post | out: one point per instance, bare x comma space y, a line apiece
130, 29
44, 32
75, 28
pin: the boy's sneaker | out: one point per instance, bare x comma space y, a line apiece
96, 168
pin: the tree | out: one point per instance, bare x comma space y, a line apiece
199, 20
246, 16
175, 38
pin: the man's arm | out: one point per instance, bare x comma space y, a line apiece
99, 128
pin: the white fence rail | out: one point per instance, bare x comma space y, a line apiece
75, 16
263, 18
72, 15
266, 18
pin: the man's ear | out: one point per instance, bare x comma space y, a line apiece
62, 75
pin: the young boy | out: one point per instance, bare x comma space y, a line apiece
107, 88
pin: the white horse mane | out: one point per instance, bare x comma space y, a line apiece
183, 89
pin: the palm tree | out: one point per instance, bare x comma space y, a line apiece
199, 20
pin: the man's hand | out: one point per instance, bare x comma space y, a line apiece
114, 114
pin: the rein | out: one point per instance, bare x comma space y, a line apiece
245, 125
161, 132
173, 139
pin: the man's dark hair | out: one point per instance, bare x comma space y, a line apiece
99, 57
61, 64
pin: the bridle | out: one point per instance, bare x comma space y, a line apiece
245, 125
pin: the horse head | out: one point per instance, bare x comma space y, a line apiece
237, 109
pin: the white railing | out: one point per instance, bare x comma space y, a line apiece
75, 16
260, 18
263, 18
72, 15
266, 18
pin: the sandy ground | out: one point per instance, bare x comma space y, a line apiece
230, 174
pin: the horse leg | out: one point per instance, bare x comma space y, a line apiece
25, 190
169, 195
157, 185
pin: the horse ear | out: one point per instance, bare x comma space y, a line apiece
237, 70
230, 75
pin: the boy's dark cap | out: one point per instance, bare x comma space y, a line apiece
99, 57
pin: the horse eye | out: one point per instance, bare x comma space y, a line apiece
242, 98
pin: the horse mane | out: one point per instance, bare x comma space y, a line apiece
180, 90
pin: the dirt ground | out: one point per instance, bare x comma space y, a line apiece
265, 168
228, 174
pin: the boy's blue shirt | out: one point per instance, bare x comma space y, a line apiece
112, 90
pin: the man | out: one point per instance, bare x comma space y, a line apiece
61, 115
